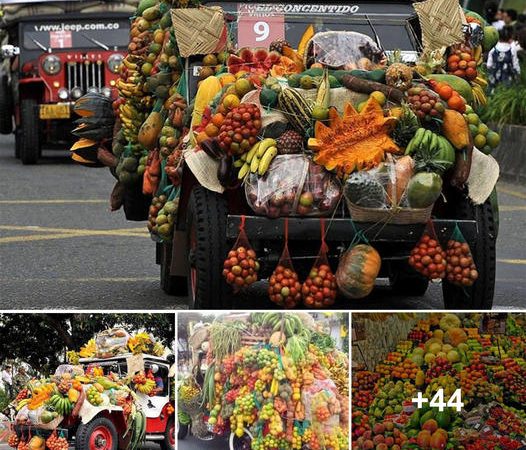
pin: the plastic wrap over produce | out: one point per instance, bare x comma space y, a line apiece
111, 342
321, 404
293, 186
345, 49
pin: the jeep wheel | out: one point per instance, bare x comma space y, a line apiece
206, 237
169, 435
29, 131
406, 281
6, 106
99, 434
172, 285
480, 295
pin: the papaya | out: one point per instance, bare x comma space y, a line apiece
458, 84
426, 416
443, 419
73, 395
491, 37
456, 129
475, 16
144, 5
37, 443
414, 421
150, 130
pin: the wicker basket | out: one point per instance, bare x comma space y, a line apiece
248, 340
396, 216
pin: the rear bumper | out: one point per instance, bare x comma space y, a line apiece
341, 230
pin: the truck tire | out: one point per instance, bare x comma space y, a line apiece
406, 281
480, 295
207, 244
6, 106
99, 434
169, 435
172, 285
29, 132
17, 144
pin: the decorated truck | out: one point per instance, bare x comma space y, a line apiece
316, 146
53, 53
104, 403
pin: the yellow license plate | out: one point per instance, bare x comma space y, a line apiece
54, 112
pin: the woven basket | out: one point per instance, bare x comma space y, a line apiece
250, 340
396, 216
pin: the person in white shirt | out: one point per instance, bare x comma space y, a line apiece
7, 378
503, 61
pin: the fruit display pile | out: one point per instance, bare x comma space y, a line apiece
293, 130
288, 388
450, 353
45, 403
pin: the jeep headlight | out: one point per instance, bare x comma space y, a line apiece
114, 62
51, 64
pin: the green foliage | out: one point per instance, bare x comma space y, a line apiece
506, 106
41, 340
4, 400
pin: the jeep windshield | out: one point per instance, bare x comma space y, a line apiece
106, 34
391, 25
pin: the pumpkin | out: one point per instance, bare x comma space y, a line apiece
208, 89
357, 271
37, 443
455, 129
355, 141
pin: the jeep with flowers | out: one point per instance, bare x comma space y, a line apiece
53, 53
291, 140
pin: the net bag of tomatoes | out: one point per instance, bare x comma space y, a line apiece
284, 286
241, 266
460, 267
428, 257
55, 442
319, 290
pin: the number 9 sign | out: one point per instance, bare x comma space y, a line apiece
259, 31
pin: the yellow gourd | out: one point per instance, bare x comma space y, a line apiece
37, 443
150, 130
455, 129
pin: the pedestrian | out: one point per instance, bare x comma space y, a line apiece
493, 14
509, 17
7, 378
503, 62
20, 380
159, 384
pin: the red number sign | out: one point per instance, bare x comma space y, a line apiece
257, 26
60, 39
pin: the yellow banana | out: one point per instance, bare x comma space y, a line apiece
264, 145
243, 172
477, 52
254, 164
267, 158
252, 152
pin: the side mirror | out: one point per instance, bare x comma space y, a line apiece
8, 51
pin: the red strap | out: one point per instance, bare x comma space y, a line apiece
242, 224
324, 246
286, 230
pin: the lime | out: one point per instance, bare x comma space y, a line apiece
474, 130
479, 140
493, 139
379, 97
469, 109
243, 86
473, 119
486, 149
483, 129
306, 82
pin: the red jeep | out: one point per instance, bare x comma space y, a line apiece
54, 59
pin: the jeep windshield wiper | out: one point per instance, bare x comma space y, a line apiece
39, 44
100, 44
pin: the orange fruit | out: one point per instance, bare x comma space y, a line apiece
227, 79
453, 58
211, 130
201, 136
445, 92
455, 102
463, 64
217, 119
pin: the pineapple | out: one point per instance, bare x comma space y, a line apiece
406, 126
398, 74
289, 143
277, 45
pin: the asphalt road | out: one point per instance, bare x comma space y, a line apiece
61, 247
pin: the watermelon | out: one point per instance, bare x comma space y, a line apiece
491, 37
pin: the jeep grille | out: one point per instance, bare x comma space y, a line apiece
85, 75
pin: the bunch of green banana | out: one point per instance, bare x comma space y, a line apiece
479, 96
431, 151
257, 159
292, 324
60, 404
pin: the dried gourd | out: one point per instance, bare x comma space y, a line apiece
355, 141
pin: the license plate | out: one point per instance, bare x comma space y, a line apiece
54, 112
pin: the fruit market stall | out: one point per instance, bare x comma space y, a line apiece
469, 368
216, 141
99, 395
270, 380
